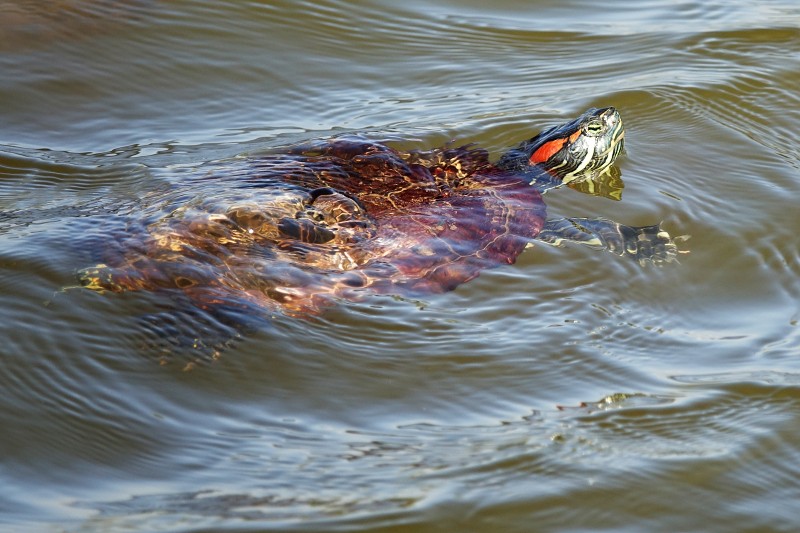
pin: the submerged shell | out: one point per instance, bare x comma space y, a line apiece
334, 219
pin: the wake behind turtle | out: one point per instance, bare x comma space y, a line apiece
349, 217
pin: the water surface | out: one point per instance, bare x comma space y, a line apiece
572, 391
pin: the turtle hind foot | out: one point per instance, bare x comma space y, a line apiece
98, 278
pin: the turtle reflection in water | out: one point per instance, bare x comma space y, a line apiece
342, 218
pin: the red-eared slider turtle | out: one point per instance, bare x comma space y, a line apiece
349, 216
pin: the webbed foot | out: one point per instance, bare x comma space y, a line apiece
648, 244
97, 278
644, 244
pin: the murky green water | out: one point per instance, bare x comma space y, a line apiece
572, 391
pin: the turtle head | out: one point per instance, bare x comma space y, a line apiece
588, 144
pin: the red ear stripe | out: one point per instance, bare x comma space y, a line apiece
546, 151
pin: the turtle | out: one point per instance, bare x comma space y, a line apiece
347, 217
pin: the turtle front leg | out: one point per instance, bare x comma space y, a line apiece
643, 243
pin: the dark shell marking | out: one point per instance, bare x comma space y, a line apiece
349, 217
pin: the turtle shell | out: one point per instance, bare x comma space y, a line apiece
335, 219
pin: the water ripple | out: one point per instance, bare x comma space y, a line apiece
571, 390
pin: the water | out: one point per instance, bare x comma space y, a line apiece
572, 391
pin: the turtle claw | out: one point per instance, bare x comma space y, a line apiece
651, 244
